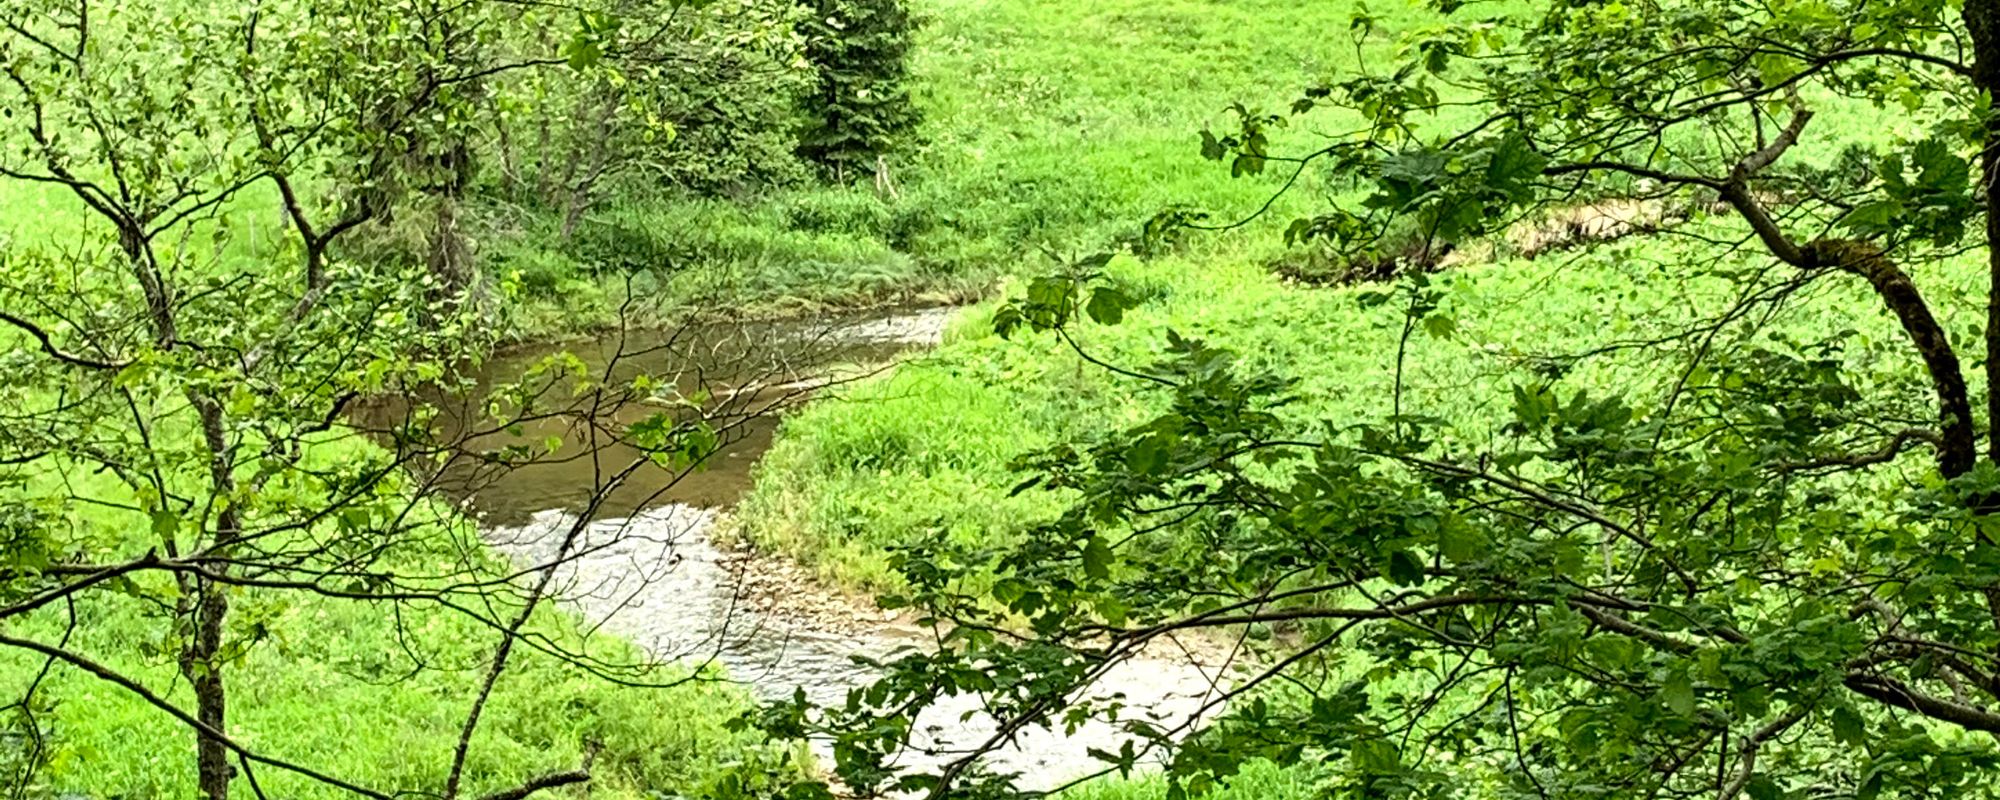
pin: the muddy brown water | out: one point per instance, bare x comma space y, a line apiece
745, 377
645, 569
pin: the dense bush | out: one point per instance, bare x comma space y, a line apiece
707, 108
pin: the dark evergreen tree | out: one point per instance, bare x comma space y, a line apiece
860, 107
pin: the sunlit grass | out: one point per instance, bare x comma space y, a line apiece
1050, 126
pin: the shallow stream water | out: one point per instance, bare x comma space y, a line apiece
648, 572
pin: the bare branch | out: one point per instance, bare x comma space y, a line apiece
1755, 743
49, 346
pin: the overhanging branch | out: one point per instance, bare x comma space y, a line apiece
1957, 445
1895, 693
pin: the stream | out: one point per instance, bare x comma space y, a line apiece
649, 573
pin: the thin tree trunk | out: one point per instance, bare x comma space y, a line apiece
582, 193
450, 257
507, 168
199, 661
542, 146
211, 696
1982, 21
202, 668
573, 155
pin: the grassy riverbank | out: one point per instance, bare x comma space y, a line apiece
1050, 127
1066, 126
927, 449
340, 691
371, 692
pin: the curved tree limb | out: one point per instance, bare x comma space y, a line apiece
49, 345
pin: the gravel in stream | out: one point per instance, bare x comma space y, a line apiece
656, 580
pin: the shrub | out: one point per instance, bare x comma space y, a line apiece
709, 109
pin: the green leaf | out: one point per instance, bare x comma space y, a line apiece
1211, 147
1871, 217
1440, 326
1678, 693
1459, 542
583, 52
1762, 787
1848, 726
131, 375
1089, 266
1097, 558
1007, 319
1114, 612
1107, 305
1513, 167
1405, 568
1376, 755
165, 523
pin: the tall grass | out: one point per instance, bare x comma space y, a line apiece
372, 694
1259, 780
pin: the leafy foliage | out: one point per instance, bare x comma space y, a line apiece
1758, 565
193, 495
696, 97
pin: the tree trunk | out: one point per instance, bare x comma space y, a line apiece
200, 660
542, 148
450, 255
582, 189
204, 672
1982, 21
573, 155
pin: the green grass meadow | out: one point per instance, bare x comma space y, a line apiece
1098, 106
339, 690
1049, 128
